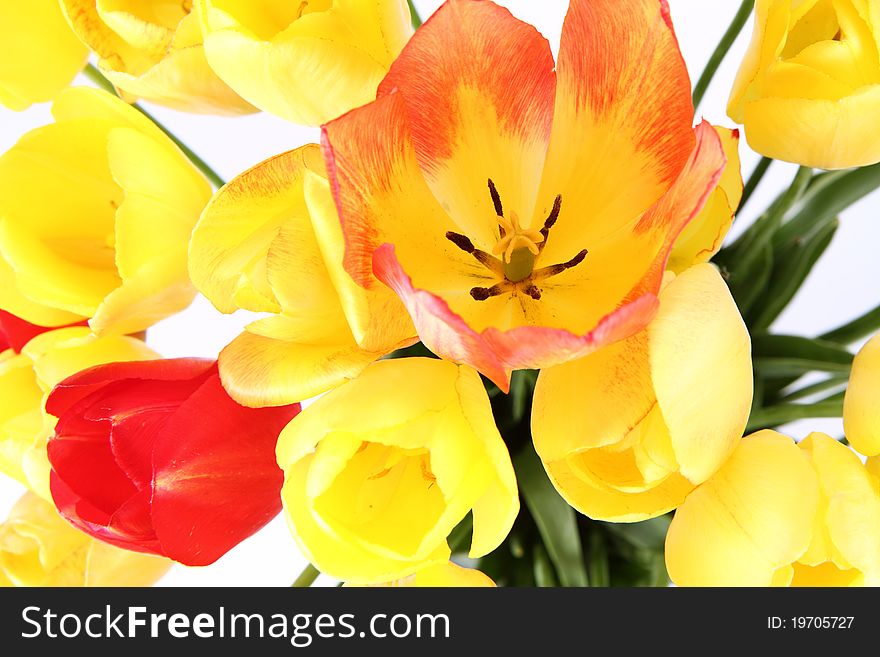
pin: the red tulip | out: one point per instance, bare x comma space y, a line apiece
155, 457
15, 333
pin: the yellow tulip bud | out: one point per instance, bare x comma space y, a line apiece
330, 54
441, 575
27, 378
41, 55
271, 241
861, 405
703, 236
628, 431
379, 471
780, 514
39, 548
152, 49
808, 90
96, 210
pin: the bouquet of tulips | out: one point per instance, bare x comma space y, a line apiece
500, 333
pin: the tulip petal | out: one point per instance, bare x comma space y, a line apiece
332, 60
273, 371
41, 54
237, 228
861, 415
484, 115
751, 519
215, 477
703, 236
701, 369
622, 124
853, 509
816, 133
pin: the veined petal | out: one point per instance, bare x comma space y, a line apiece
497, 353
41, 55
259, 370
233, 237
729, 531
861, 412
622, 122
485, 114
702, 237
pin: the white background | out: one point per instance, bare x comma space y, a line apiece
842, 285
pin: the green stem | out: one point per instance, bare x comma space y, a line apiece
855, 330
754, 180
306, 577
773, 416
416, 19
95, 76
736, 26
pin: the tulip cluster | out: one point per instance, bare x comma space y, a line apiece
504, 275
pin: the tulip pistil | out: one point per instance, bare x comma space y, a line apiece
519, 249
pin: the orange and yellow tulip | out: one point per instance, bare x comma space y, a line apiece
524, 210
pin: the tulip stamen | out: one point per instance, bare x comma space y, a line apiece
483, 293
553, 270
551, 219
489, 261
496, 199
302, 8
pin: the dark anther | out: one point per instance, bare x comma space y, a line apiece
553, 270
483, 293
496, 199
551, 220
578, 259
533, 292
461, 242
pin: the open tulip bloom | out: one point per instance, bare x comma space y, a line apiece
498, 333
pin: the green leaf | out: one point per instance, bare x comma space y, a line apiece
828, 195
790, 269
555, 519
748, 285
773, 416
522, 389
544, 576
648, 534
832, 382
860, 327
796, 347
794, 367
600, 568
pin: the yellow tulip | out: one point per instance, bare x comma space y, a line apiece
703, 236
96, 210
270, 241
628, 431
39, 548
153, 49
380, 470
808, 90
27, 378
861, 404
307, 62
441, 575
41, 55
780, 514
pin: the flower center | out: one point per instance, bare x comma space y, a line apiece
519, 248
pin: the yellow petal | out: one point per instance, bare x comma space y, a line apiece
442, 575
702, 370
41, 55
861, 411
852, 515
753, 518
39, 548
332, 58
373, 476
20, 419
702, 237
